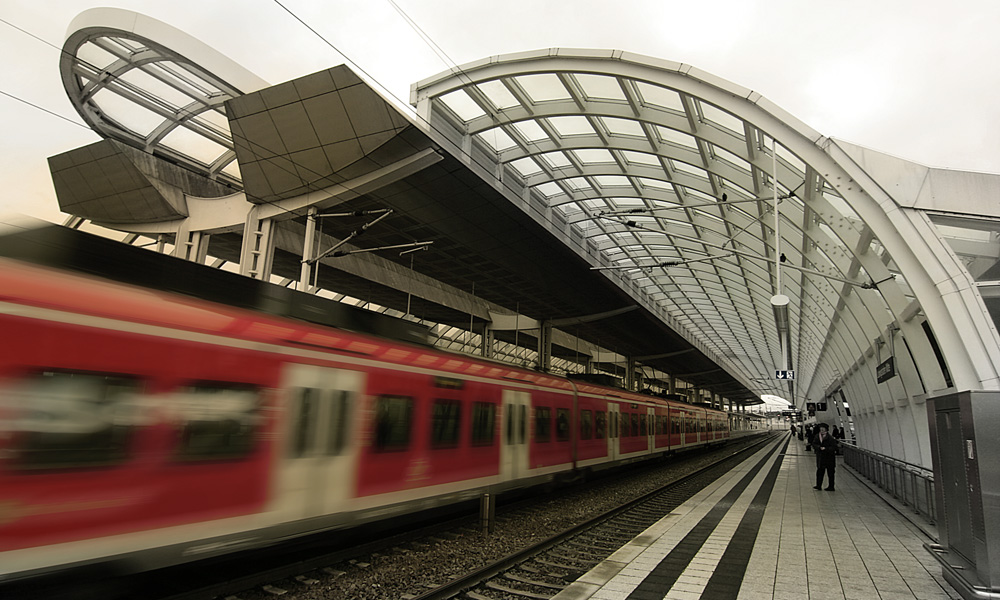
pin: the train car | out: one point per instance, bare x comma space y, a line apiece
141, 428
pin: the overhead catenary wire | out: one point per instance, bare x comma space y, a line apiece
293, 168
426, 38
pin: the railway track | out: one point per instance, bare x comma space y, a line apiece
544, 569
455, 558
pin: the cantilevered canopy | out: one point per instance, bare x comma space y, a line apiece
128, 84
665, 177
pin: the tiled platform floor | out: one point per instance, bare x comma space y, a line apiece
779, 539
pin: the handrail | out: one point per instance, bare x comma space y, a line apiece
884, 457
911, 484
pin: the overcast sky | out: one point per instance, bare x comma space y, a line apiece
913, 78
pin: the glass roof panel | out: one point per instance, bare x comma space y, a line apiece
95, 56
578, 184
526, 166
191, 144
721, 117
133, 117
624, 127
233, 170
555, 160
641, 158
600, 87
612, 180
498, 94
497, 139
462, 105
737, 161
571, 125
549, 189
793, 161
655, 183
167, 95
531, 131
624, 203
590, 156
688, 168
676, 137
127, 45
181, 76
659, 97
543, 87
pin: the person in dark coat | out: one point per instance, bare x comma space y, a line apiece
825, 446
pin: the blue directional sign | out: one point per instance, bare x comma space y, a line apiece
787, 375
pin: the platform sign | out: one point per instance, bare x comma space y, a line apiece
787, 375
886, 370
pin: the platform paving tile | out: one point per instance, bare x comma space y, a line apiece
813, 545
681, 595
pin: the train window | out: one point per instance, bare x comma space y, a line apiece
522, 424
586, 424
483, 419
614, 424
635, 424
307, 402
643, 429
509, 419
562, 425
445, 420
675, 424
543, 427
393, 415
336, 439
220, 420
64, 420
600, 424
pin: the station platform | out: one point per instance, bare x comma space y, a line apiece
762, 531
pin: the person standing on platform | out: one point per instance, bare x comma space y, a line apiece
825, 446
793, 429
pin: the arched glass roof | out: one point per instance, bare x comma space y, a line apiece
668, 178
128, 84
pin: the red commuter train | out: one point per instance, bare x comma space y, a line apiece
142, 428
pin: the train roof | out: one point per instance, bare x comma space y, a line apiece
144, 285
80, 252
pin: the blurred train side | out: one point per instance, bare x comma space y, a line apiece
142, 428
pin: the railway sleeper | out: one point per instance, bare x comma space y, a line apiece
509, 590
543, 584
581, 567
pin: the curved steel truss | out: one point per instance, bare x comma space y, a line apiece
668, 179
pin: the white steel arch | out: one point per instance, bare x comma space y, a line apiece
662, 175
125, 79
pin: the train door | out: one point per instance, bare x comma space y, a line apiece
319, 458
687, 435
651, 429
614, 430
514, 448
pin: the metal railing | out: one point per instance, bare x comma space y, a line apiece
911, 484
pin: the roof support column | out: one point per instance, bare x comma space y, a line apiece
309, 252
544, 346
258, 246
630, 378
486, 348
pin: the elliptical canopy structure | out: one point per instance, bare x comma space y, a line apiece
762, 244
